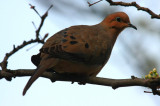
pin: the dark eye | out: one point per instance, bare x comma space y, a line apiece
118, 19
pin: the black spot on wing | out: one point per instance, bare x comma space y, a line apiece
72, 37
86, 45
65, 36
73, 42
65, 32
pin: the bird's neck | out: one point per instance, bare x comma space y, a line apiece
113, 34
109, 33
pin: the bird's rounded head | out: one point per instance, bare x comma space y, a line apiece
117, 21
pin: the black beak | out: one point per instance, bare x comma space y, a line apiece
130, 25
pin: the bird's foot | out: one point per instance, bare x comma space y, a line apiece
82, 83
74, 77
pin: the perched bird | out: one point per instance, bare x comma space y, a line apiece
81, 50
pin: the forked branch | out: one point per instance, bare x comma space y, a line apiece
4, 63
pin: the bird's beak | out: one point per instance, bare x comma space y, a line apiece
130, 25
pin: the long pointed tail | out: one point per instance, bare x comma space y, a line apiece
36, 75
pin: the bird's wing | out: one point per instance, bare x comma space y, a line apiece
69, 44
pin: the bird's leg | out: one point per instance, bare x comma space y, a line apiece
74, 77
82, 83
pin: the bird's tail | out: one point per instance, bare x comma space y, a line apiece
36, 74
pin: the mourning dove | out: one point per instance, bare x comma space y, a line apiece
81, 50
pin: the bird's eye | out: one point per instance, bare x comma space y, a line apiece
118, 19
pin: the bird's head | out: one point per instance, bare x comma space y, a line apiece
117, 21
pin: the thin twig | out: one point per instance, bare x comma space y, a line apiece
148, 92
43, 17
33, 7
49, 8
89, 4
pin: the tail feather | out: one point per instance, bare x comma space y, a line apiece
36, 75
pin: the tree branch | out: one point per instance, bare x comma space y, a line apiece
154, 84
4, 63
134, 4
